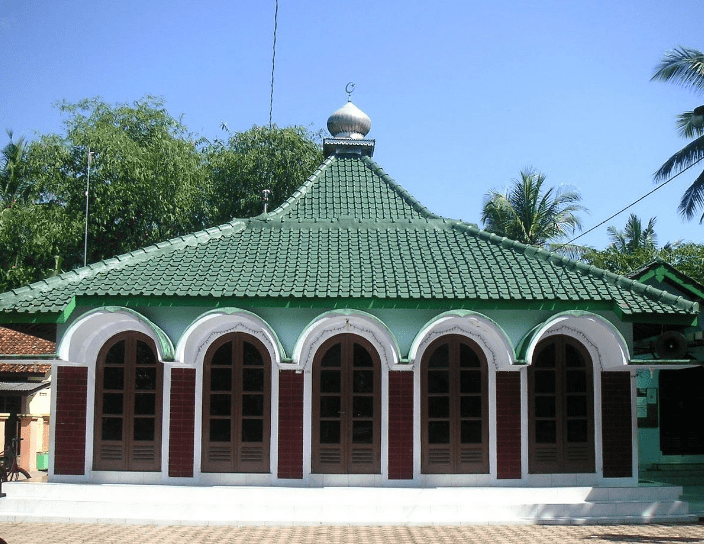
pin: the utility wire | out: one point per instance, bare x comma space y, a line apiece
273, 64
629, 206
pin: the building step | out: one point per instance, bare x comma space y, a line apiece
169, 505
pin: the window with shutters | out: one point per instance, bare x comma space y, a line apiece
346, 424
128, 405
561, 408
236, 405
454, 408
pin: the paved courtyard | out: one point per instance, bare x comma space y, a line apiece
62, 533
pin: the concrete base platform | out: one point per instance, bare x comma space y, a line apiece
224, 505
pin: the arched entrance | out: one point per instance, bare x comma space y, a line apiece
561, 408
346, 411
454, 408
236, 405
128, 405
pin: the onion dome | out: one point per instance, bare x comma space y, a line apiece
349, 122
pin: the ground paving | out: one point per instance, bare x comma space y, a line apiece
68, 533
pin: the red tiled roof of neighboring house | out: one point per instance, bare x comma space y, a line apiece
14, 342
38, 368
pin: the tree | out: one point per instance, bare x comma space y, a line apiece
687, 258
247, 163
686, 67
150, 180
147, 180
14, 186
530, 215
634, 236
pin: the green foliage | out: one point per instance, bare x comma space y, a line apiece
150, 180
146, 175
687, 258
260, 158
685, 66
529, 215
31, 237
620, 262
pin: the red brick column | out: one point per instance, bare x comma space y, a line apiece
182, 421
290, 424
400, 425
508, 425
70, 430
616, 422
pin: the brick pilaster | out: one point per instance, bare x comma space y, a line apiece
70, 429
182, 422
617, 425
400, 425
508, 425
290, 424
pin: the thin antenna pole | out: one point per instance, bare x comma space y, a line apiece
273, 59
85, 244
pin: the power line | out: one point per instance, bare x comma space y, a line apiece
273, 64
630, 205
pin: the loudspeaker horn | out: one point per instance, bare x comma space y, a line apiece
671, 345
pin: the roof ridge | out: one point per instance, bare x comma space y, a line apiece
571, 265
302, 190
407, 197
125, 259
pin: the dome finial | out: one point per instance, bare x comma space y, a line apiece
349, 89
349, 121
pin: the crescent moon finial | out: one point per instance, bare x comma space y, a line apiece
349, 89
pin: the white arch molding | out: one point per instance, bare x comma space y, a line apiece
84, 338
210, 326
337, 322
603, 341
485, 332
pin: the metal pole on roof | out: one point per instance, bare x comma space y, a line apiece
273, 64
85, 244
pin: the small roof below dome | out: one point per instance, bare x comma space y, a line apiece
349, 122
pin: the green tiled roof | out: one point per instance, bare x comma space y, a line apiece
351, 186
352, 236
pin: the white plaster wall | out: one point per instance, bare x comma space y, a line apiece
39, 403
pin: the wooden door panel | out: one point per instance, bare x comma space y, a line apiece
128, 404
454, 408
237, 414
561, 409
346, 418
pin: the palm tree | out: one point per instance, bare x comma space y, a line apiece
686, 67
530, 216
13, 184
634, 236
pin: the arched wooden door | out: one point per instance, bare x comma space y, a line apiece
454, 408
561, 408
128, 405
236, 405
346, 426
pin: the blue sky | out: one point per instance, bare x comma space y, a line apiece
462, 94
